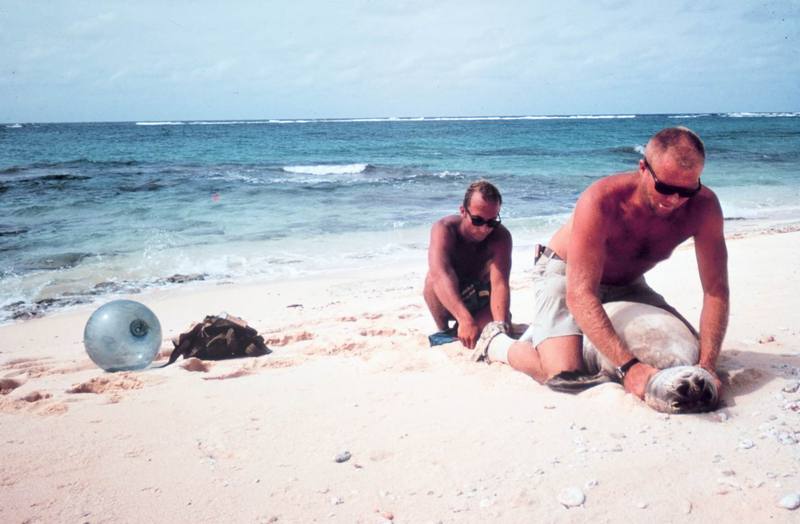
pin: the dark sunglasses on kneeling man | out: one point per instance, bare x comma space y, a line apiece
480, 221
667, 189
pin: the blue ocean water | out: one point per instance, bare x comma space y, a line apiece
95, 209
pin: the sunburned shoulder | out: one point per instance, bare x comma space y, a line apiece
705, 203
706, 196
614, 183
448, 222
446, 228
501, 234
611, 189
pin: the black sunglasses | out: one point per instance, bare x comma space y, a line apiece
667, 189
480, 221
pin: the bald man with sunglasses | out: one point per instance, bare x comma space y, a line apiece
469, 262
622, 226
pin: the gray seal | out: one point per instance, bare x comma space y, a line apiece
659, 339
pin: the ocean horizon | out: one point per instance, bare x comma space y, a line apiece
428, 118
95, 210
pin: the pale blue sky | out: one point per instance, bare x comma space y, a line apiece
98, 60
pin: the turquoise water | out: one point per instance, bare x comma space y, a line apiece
97, 209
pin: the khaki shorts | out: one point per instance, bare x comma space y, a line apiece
551, 315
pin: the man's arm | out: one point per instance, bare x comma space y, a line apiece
445, 282
499, 271
712, 264
586, 255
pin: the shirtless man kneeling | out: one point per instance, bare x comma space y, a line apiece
622, 226
469, 262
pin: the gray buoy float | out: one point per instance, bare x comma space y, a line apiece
122, 335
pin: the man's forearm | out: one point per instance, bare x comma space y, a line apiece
446, 288
595, 324
713, 324
500, 300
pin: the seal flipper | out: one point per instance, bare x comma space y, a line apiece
575, 381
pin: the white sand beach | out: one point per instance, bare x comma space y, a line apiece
433, 437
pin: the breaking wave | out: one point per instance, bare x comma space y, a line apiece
328, 169
760, 115
160, 123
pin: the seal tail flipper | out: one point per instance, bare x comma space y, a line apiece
575, 381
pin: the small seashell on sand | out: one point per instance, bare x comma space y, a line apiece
790, 501
571, 497
344, 456
792, 386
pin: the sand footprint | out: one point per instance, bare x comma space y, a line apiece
73, 369
108, 384
12, 381
242, 372
35, 396
380, 332
276, 363
21, 363
34, 367
287, 339
347, 347
34, 402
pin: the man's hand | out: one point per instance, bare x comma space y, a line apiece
468, 332
717, 381
636, 379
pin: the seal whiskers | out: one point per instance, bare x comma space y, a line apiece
682, 389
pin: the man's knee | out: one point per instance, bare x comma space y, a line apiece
428, 290
559, 354
440, 313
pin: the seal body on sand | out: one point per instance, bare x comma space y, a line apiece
658, 338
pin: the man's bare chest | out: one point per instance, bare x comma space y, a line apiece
470, 260
644, 243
